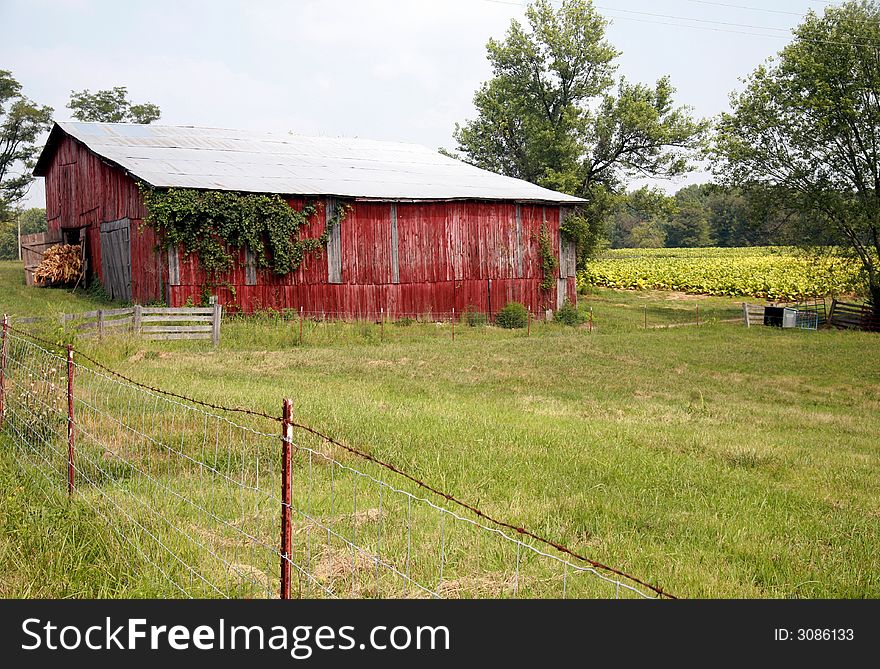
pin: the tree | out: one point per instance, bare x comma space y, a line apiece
111, 106
21, 122
552, 115
689, 227
805, 133
31, 220
639, 219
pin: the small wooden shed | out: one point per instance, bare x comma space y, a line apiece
425, 233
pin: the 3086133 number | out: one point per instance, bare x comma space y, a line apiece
825, 634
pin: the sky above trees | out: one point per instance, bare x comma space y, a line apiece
385, 69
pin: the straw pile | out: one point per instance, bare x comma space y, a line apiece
61, 264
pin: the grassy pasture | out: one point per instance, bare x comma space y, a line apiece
713, 461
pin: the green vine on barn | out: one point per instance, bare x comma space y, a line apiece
549, 262
215, 225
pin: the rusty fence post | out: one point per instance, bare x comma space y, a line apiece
698, 315
4, 347
591, 320
71, 425
529, 327
382, 324
300, 325
286, 443
453, 323
646, 316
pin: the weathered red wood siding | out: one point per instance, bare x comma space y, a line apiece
456, 254
82, 192
450, 255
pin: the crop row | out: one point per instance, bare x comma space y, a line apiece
770, 272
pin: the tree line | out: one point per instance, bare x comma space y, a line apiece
696, 215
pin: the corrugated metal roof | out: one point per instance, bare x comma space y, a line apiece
261, 162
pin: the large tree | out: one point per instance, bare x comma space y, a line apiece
21, 122
805, 133
555, 114
111, 106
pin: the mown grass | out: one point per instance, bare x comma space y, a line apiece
714, 461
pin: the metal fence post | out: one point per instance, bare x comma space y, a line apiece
382, 325
71, 434
215, 323
286, 442
591, 320
3, 349
300, 325
646, 316
698, 314
453, 323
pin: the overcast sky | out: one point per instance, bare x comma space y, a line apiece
383, 69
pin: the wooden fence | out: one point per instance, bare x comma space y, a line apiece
849, 315
32, 249
753, 314
147, 322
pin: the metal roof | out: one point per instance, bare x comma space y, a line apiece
262, 162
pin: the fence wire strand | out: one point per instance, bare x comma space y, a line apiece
194, 490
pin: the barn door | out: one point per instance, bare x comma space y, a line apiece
116, 258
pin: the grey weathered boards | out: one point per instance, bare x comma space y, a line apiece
116, 258
334, 245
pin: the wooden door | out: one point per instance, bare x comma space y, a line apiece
116, 258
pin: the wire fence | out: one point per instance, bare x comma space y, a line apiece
226, 502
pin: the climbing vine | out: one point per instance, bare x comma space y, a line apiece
549, 262
215, 225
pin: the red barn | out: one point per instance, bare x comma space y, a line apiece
425, 233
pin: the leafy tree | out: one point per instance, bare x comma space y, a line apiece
689, 227
111, 106
638, 218
554, 114
805, 133
32, 220
21, 122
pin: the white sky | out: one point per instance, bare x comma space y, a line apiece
382, 69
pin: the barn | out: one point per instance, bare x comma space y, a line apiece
424, 233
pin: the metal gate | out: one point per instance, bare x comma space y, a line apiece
116, 258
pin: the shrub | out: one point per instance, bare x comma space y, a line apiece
513, 315
568, 314
472, 317
404, 322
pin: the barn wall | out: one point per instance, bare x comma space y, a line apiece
450, 255
82, 192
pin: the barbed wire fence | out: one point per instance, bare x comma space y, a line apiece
228, 502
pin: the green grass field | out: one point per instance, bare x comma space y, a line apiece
714, 461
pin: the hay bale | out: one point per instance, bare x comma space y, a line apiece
61, 264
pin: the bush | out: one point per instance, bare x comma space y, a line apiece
568, 314
404, 322
474, 318
513, 315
